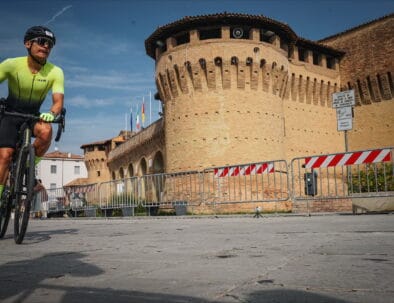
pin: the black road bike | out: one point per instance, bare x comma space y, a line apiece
18, 194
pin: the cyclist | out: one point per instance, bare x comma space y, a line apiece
29, 80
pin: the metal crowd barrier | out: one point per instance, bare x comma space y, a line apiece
324, 178
82, 198
357, 174
244, 183
171, 189
116, 194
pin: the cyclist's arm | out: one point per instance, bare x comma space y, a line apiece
57, 103
58, 92
4, 68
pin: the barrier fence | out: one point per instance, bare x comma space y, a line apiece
121, 193
252, 182
171, 189
322, 179
357, 174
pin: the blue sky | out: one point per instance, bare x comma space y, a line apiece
101, 48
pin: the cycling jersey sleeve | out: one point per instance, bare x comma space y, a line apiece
4, 70
58, 83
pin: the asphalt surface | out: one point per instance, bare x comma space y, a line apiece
326, 258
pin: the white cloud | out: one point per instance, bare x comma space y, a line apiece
118, 81
85, 102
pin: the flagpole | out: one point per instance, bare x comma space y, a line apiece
150, 107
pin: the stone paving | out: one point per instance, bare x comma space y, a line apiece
283, 258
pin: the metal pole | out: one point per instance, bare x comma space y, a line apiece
346, 142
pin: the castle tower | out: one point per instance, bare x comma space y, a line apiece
240, 88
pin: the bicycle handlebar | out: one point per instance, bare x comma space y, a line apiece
60, 119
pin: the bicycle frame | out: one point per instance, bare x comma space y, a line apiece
20, 194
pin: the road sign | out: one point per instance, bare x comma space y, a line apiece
345, 124
344, 113
344, 118
343, 99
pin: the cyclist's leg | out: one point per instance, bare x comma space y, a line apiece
43, 133
9, 127
5, 160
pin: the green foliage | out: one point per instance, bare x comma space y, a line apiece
375, 178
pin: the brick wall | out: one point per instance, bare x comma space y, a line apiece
368, 68
264, 107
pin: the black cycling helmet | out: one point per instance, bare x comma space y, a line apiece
39, 31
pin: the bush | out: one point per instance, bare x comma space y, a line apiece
375, 178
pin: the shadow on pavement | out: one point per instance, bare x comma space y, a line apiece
41, 236
119, 296
20, 279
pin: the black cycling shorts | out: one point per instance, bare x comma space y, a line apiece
9, 127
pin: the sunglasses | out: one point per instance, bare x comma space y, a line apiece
43, 42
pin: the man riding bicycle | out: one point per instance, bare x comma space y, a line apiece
29, 80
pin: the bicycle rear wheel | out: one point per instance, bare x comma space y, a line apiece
5, 212
24, 194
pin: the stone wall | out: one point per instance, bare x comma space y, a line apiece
240, 101
368, 68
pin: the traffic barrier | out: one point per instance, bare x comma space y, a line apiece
351, 158
331, 181
245, 183
117, 194
356, 174
171, 189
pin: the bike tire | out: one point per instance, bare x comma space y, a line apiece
24, 193
5, 213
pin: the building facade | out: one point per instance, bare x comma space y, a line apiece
56, 169
96, 157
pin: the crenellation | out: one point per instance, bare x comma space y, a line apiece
226, 75
254, 76
287, 87
173, 83
308, 91
316, 92
386, 92
324, 93
211, 75
196, 76
283, 76
266, 78
181, 75
164, 85
241, 66
357, 96
364, 92
374, 89
301, 89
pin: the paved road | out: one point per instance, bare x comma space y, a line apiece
331, 258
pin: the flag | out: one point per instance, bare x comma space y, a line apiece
131, 118
143, 113
137, 123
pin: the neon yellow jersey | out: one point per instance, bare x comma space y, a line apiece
27, 91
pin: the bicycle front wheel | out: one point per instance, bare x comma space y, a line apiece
24, 194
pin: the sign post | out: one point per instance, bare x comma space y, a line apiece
343, 102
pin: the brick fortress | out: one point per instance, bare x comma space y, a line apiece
241, 88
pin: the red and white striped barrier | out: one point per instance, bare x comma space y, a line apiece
244, 170
80, 189
360, 157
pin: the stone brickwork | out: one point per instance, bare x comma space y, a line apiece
265, 95
243, 100
368, 68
